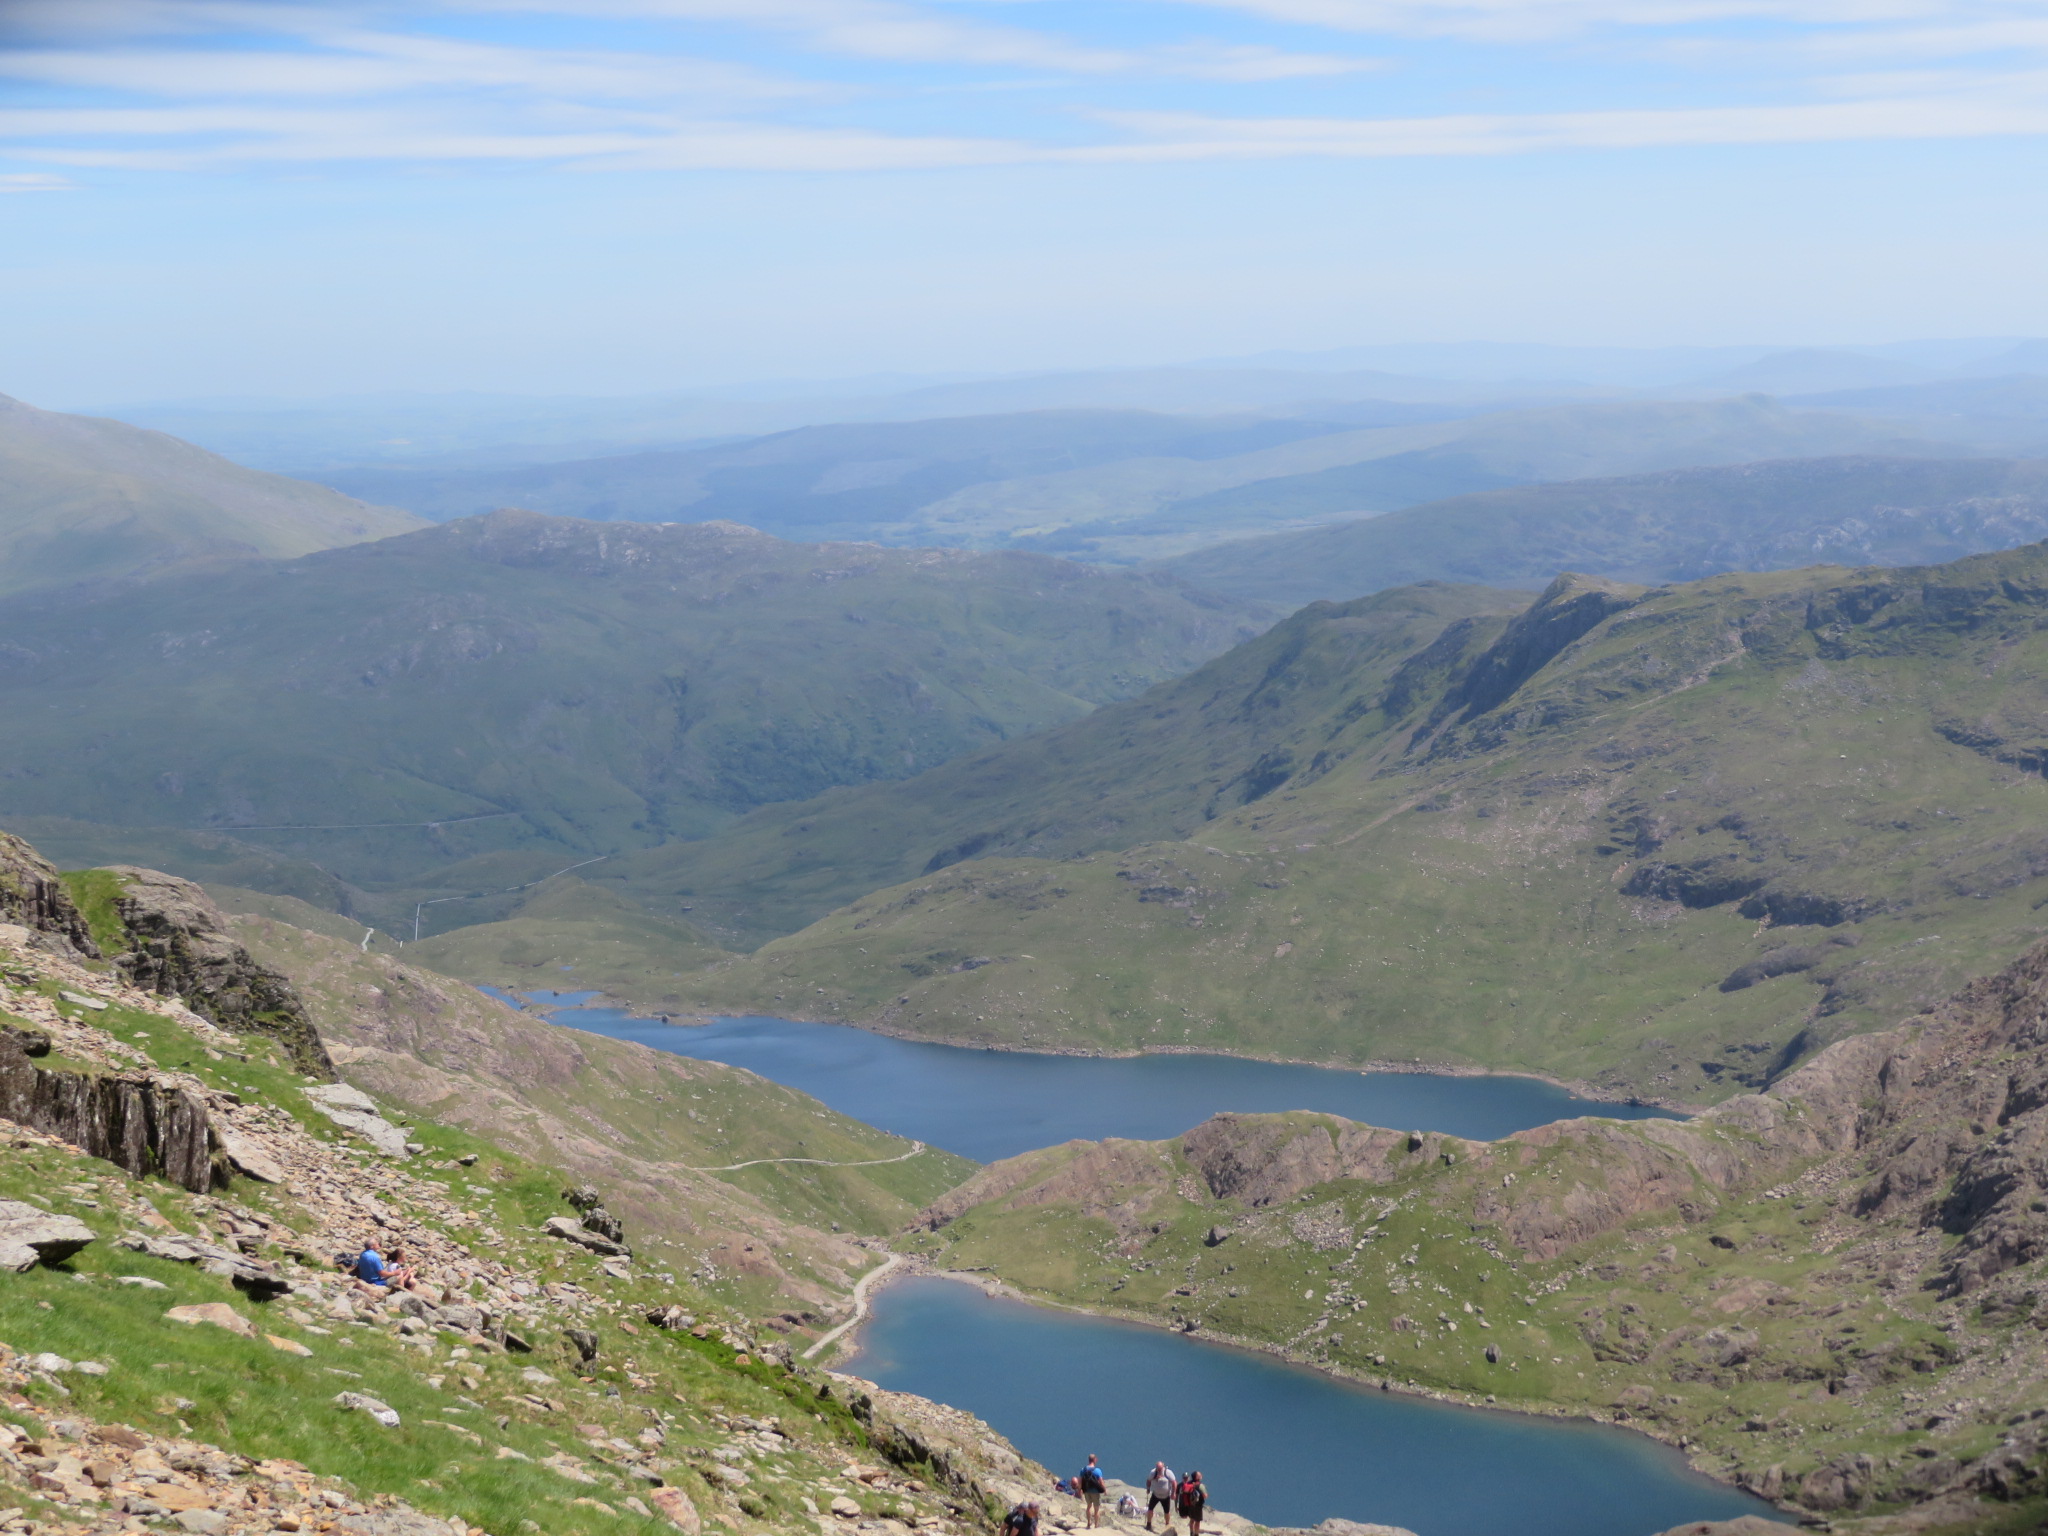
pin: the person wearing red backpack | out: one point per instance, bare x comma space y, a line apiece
1191, 1498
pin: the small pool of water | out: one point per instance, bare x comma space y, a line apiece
994, 1104
1277, 1443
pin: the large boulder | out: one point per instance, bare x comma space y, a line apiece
571, 1230
356, 1112
30, 1236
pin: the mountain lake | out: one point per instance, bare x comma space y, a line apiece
1277, 1443
988, 1104
1282, 1444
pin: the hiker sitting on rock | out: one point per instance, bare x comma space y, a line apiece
369, 1270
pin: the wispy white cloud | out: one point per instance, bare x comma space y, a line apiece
349, 81
36, 181
1519, 20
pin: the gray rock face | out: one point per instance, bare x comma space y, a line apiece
571, 1230
30, 1236
253, 1278
356, 1112
182, 947
133, 1122
32, 895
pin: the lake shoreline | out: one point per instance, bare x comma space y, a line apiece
1577, 1087
992, 1285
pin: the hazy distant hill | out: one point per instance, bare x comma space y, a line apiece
1128, 485
1157, 508
1810, 370
84, 500
555, 687
842, 481
1675, 526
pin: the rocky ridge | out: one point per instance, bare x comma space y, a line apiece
1829, 1292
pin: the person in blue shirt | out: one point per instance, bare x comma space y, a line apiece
1090, 1484
370, 1267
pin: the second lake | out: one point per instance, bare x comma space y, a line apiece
993, 1104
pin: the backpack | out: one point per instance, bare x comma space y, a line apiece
1090, 1480
1190, 1496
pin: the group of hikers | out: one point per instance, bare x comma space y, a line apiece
1165, 1490
376, 1272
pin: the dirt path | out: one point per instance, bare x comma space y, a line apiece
873, 1162
860, 1301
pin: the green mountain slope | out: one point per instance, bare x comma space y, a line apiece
1674, 526
1664, 841
1162, 765
84, 500
542, 691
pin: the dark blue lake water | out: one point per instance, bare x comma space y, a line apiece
1277, 1443
994, 1104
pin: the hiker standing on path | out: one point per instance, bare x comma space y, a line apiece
1159, 1491
1193, 1499
1092, 1485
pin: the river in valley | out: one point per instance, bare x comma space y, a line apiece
1282, 1444
1278, 1443
993, 1104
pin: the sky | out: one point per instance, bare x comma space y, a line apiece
302, 198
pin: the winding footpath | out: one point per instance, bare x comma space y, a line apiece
822, 1162
861, 1288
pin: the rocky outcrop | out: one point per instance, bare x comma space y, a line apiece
356, 1112
1949, 1113
30, 1236
132, 1120
180, 947
255, 1278
32, 895
1263, 1159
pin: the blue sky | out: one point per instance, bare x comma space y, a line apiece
223, 197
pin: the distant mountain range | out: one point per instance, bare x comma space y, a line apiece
1123, 486
520, 692
475, 430
87, 502
1674, 526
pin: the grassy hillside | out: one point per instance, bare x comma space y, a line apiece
1664, 841
524, 1384
502, 697
1675, 526
641, 1124
85, 501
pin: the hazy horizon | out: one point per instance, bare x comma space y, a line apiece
311, 198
